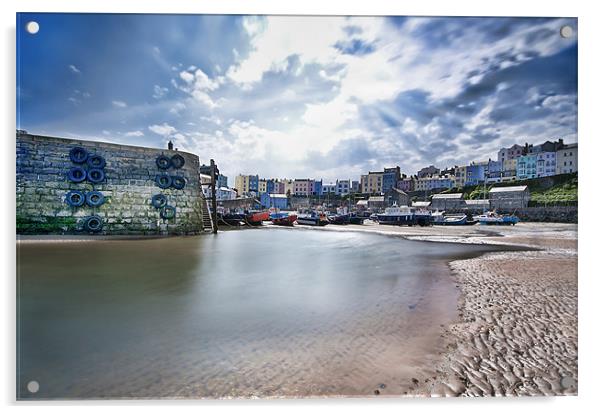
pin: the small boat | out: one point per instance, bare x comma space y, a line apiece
442, 219
283, 219
356, 219
231, 219
339, 219
257, 217
373, 217
493, 218
312, 219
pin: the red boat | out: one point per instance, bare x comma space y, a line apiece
283, 219
255, 219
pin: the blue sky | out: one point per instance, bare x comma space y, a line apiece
294, 96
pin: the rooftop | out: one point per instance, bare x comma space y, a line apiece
454, 196
508, 189
421, 203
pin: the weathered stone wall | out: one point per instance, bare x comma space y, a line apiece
554, 214
42, 184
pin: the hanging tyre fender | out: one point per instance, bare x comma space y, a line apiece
78, 155
163, 162
75, 198
168, 212
96, 161
178, 182
95, 198
159, 201
96, 175
177, 161
163, 180
76, 174
93, 224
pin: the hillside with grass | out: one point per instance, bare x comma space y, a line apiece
557, 189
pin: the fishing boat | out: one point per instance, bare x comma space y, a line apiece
257, 217
404, 215
312, 219
442, 219
339, 219
397, 215
493, 218
283, 219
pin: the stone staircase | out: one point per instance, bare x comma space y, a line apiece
207, 222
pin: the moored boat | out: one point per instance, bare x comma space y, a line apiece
339, 219
283, 219
442, 219
404, 215
397, 215
493, 218
312, 219
256, 218
356, 219
231, 219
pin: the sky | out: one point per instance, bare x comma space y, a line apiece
301, 96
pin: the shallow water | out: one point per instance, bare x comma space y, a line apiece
263, 312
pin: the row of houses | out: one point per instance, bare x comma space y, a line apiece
518, 162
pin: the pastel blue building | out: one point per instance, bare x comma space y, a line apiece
254, 183
390, 178
475, 174
526, 167
268, 200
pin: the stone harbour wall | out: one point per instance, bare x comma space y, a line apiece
43, 165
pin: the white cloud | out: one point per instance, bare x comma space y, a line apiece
134, 134
198, 85
119, 104
74, 69
159, 91
164, 129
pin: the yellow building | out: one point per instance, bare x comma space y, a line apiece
241, 184
372, 183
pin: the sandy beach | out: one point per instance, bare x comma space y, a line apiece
516, 332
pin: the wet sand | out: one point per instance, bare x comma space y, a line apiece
516, 332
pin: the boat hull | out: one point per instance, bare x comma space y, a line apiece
255, 219
311, 221
285, 221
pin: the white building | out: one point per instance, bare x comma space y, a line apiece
510, 153
546, 164
566, 159
329, 188
342, 187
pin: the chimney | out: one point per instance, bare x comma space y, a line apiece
560, 143
170, 145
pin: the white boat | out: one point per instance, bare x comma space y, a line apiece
493, 218
404, 215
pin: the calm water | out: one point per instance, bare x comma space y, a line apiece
266, 312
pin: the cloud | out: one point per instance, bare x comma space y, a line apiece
164, 129
134, 134
198, 85
318, 96
159, 91
74, 69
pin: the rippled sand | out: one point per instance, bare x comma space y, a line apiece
517, 331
